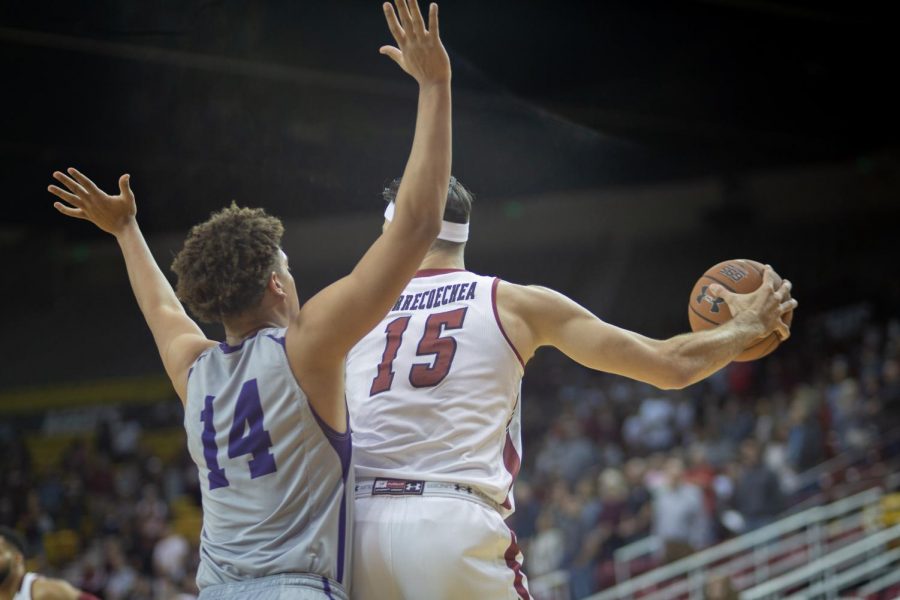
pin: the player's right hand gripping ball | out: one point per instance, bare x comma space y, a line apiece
741, 276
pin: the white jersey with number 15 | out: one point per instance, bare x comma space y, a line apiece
433, 390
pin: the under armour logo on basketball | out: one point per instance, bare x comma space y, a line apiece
715, 302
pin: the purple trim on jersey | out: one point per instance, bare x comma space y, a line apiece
280, 340
433, 272
341, 442
196, 362
343, 445
226, 349
342, 533
326, 587
499, 324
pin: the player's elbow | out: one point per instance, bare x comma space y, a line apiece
672, 375
669, 383
424, 231
423, 227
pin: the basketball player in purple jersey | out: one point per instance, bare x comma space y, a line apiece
265, 414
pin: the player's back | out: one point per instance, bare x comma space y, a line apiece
433, 390
273, 476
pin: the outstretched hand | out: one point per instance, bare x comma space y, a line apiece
110, 213
419, 51
767, 303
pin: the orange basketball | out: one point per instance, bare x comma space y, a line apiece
740, 276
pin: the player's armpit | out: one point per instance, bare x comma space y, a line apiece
178, 356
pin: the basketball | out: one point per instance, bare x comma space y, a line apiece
741, 276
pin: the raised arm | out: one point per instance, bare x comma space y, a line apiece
177, 337
536, 316
337, 317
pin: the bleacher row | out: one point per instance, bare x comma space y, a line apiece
848, 548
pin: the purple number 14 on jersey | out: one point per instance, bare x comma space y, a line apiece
247, 436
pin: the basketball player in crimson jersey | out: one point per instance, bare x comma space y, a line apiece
18, 584
265, 413
433, 393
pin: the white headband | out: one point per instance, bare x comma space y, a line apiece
450, 232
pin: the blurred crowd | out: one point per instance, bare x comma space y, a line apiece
610, 461
607, 462
104, 518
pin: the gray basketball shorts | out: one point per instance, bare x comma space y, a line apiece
287, 586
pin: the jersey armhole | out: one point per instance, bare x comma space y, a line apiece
341, 442
494, 286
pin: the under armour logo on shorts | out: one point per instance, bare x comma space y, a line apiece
397, 487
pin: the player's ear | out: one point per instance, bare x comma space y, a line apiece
275, 284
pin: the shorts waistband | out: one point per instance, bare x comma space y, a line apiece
384, 486
242, 589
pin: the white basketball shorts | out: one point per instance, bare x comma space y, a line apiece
434, 547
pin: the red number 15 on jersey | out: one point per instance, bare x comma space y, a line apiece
443, 349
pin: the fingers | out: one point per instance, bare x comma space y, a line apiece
393, 53
433, 19
393, 23
719, 291
784, 292
70, 183
406, 19
769, 277
75, 213
782, 330
418, 24
64, 195
86, 183
786, 307
125, 186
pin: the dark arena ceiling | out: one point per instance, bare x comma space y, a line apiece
287, 104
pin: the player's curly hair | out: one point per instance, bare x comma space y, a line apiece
225, 263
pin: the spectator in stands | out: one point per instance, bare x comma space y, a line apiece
121, 576
776, 457
757, 493
567, 452
679, 517
528, 507
719, 588
170, 555
890, 383
737, 421
805, 444
547, 549
702, 474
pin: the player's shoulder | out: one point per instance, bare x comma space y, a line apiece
48, 588
525, 296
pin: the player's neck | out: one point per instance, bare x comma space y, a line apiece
441, 259
240, 328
